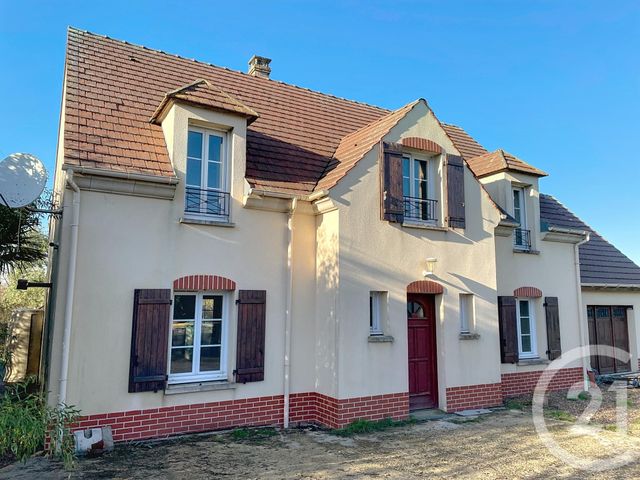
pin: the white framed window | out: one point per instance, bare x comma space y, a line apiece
197, 344
206, 180
521, 234
377, 302
467, 313
527, 344
418, 189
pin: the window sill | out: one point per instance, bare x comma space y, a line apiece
200, 221
423, 226
523, 250
176, 388
523, 362
469, 336
380, 339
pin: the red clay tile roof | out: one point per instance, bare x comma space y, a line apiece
499, 161
113, 89
465, 143
481, 161
356, 145
202, 93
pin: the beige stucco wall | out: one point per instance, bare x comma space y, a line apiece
624, 298
551, 267
380, 256
130, 242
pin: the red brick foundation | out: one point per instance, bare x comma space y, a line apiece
202, 417
524, 383
473, 396
513, 384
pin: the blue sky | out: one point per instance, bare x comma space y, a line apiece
556, 83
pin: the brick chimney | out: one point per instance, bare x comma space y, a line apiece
259, 66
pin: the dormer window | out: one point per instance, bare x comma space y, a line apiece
418, 190
522, 236
206, 183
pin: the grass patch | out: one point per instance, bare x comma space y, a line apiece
610, 428
584, 396
560, 415
513, 404
240, 434
369, 426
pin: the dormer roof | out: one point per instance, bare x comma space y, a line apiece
500, 161
202, 93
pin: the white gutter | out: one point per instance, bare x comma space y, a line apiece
99, 172
581, 316
287, 315
71, 281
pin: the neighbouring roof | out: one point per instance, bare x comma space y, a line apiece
499, 161
202, 93
600, 262
113, 89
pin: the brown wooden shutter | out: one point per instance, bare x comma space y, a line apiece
392, 200
455, 191
554, 346
251, 336
508, 329
149, 340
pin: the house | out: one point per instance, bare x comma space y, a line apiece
240, 251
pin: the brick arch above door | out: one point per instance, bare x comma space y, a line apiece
425, 286
194, 283
527, 292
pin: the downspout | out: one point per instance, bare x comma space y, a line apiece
287, 315
581, 317
71, 281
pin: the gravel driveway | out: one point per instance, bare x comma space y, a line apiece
496, 446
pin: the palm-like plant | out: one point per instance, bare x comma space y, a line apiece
21, 241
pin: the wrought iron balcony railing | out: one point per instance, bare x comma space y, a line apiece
522, 239
203, 201
420, 209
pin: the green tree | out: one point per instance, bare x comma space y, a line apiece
21, 238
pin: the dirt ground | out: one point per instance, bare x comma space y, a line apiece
500, 445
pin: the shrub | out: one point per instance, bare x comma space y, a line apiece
26, 420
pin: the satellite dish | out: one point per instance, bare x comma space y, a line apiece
22, 179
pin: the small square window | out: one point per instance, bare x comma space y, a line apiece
467, 314
377, 302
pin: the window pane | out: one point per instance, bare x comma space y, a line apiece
184, 307
213, 175
526, 343
524, 308
182, 334
192, 200
194, 175
406, 177
212, 306
194, 145
516, 199
211, 333
215, 147
209, 359
370, 311
525, 326
181, 360
414, 309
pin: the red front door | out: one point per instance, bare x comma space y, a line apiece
423, 374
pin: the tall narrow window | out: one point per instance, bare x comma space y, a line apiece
521, 234
526, 330
467, 319
416, 189
205, 185
376, 306
197, 337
